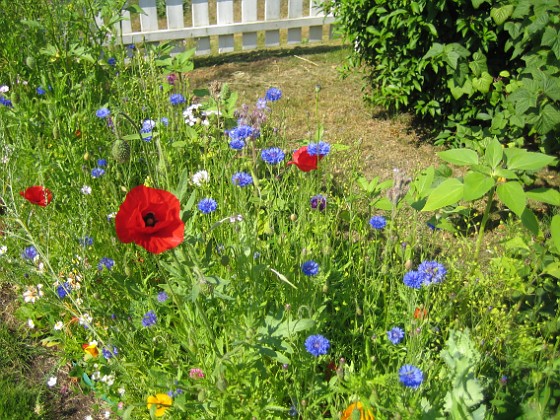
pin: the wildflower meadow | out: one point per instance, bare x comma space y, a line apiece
182, 257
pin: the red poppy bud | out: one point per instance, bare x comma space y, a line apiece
303, 160
150, 218
37, 195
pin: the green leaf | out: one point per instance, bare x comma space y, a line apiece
530, 221
476, 3
483, 83
520, 159
551, 38
512, 195
547, 120
555, 231
501, 14
476, 185
545, 195
478, 64
460, 157
553, 269
447, 193
494, 153
424, 181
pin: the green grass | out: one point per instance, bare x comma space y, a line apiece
238, 307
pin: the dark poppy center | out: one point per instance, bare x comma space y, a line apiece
150, 220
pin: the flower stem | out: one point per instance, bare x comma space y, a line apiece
483, 222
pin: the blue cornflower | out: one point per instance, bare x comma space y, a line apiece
317, 345
63, 290
273, 94
413, 279
411, 376
176, 99
378, 222
105, 262
149, 319
207, 205
112, 61
261, 104
145, 130
107, 354
432, 272
242, 179
272, 155
318, 202
103, 112
237, 144
162, 297
241, 132
310, 268
322, 148
148, 125
97, 172
101, 162
86, 241
40, 90
30, 253
395, 335
6, 102
164, 121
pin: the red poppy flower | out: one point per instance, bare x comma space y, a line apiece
150, 218
420, 313
37, 195
303, 160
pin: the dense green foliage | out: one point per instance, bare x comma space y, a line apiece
470, 68
220, 321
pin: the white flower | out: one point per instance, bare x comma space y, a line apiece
33, 293
3, 249
30, 323
121, 391
201, 177
59, 325
108, 379
4, 89
85, 320
107, 414
88, 417
236, 218
86, 190
96, 375
52, 381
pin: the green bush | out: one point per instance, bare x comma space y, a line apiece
469, 68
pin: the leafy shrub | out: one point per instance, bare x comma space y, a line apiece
472, 68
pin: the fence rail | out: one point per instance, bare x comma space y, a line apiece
215, 25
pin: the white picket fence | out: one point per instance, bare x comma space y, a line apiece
207, 20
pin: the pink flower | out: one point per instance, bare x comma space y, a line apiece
196, 373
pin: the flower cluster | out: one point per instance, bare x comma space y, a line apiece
428, 273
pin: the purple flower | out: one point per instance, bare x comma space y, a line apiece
63, 290
273, 94
6, 102
40, 90
86, 241
410, 376
317, 345
162, 297
177, 99
318, 202
30, 253
101, 162
432, 272
377, 222
242, 179
310, 268
103, 112
112, 61
97, 172
149, 319
395, 335
105, 262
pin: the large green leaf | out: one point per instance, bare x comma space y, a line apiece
545, 195
547, 120
555, 231
478, 64
494, 153
501, 14
483, 83
523, 99
520, 159
512, 195
476, 185
551, 38
423, 182
447, 193
530, 221
460, 157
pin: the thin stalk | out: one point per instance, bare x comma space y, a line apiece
483, 222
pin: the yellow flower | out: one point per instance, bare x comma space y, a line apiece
162, 403
354, 410
91, 348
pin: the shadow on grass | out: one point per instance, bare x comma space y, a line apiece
259, 55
